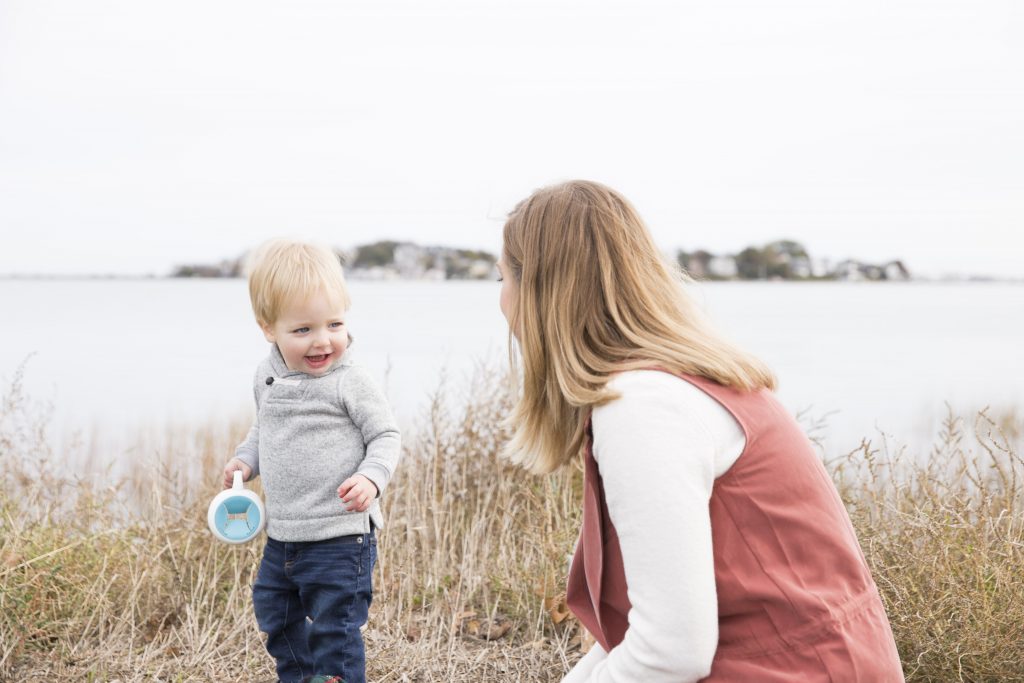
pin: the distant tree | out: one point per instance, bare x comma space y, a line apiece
454, 267
459, 263
376, 254
683, 259
476, 255
752, 264
781, 258
787, 249
695, 263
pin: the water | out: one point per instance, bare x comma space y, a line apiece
112, 355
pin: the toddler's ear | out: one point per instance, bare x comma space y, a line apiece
268, 332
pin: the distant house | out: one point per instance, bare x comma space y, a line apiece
722, 267
410, 261
480, 269
872, 272
895, 270
800, 267
407, 261
849, 270
697, 264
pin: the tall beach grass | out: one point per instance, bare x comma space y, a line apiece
116, 578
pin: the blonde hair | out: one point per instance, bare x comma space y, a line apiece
596, 297
282, 271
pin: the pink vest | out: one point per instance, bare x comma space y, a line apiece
796, 601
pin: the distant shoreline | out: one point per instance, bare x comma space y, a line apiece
783, 260
953, 279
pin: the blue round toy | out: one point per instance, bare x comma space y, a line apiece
236, 515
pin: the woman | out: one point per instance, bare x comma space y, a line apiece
714, 545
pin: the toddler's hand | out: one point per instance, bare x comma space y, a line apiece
229, 472
358, 492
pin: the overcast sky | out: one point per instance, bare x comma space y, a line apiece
139, 135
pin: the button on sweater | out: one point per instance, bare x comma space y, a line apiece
311, 433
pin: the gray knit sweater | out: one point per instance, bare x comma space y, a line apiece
311, 434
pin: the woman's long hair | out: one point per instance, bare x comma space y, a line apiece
596, 297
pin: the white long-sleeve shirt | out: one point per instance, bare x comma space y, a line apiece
659, 448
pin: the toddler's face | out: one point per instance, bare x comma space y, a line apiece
311, 334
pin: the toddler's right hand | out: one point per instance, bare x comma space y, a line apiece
229, 471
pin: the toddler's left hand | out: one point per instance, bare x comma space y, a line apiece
358, 492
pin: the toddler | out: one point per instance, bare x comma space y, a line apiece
323, 432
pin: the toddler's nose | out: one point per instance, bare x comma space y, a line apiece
322, 342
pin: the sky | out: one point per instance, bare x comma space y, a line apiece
136, 136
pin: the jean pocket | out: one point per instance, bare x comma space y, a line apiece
333, 559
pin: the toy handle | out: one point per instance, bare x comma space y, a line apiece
237, 483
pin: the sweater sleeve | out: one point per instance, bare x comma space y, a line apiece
584, 668
657, 463
371, 413
249, 450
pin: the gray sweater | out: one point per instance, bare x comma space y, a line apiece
311, 434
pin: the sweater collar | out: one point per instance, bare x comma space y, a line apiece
281, 369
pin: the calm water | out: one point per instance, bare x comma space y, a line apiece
114, 355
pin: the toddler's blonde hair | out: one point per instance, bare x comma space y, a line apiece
284, 270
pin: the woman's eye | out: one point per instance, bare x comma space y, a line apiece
501, 279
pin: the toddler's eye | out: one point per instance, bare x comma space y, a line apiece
337, 324
301, 330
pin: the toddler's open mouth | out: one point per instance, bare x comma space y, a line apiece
319, 361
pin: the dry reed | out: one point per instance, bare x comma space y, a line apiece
121, 581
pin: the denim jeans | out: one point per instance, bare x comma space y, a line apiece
310, 598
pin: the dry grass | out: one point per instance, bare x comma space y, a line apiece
123, 581
944, 535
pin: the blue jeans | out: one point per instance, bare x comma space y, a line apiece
310, 599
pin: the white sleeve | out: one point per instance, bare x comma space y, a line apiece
583, 668
658, 455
